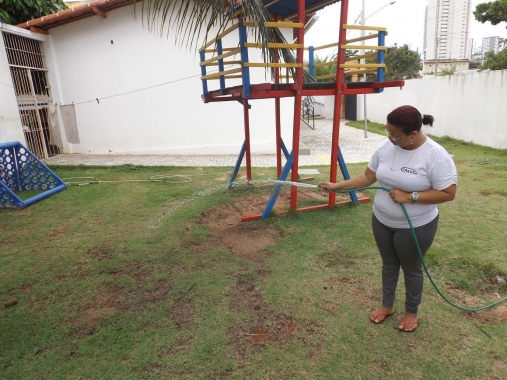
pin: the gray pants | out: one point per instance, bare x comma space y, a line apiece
397, 249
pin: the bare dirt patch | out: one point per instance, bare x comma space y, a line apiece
356, 289
133, 299
112, 299
90, 321
102, 251
181, 314
490, 316
244, 240
265, 324
178, 345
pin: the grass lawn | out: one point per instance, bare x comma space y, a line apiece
141, 279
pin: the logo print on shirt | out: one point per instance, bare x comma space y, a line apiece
408, 170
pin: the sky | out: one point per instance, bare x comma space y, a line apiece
404, 21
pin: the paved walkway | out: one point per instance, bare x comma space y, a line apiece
355, 148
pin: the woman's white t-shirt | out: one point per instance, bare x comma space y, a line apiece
425, 168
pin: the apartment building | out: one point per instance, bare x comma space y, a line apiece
446, 29
491, 44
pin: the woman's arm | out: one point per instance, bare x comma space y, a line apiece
368, 178
425, 197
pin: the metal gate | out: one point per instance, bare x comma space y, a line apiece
33, 95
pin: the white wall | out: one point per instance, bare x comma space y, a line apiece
168, 118
10, 122
466, 107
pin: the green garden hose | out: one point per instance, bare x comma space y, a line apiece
421, 256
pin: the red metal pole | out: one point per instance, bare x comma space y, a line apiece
246, 117
297, 106
277, 118
338, 99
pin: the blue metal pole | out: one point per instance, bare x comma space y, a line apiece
380, 58
237, 166
221, 66
311, 61
45, 194
286, 154
346, 175
202, 55
278, 187
244, 59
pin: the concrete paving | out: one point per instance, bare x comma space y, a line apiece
355, 148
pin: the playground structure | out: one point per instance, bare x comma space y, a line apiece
21, 170
296, 82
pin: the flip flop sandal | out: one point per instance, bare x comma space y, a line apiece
407, 324
376, 314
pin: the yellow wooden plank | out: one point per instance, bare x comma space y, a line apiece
363, 47
362, 65
273, 45
262, 64
365, 27
325, 46
293, 25
215, 50
225, 63
270, 3
364, 38
228, 77
359, 72
221, 56
218, 75
358, 57
224, 33
327, 76
325, 64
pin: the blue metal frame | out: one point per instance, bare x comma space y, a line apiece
221, 66
346, 176
380, 58
237, 166
202, 55
244, 58
21, 170
311, 61
278, 187
286, 153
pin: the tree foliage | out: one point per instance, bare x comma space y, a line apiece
17, 11
324, 70
495, 61
494, 11
402, 63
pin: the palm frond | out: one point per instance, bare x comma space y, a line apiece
193, 21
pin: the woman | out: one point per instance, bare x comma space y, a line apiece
420, 174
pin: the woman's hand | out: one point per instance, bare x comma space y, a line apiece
326, 186
399, 196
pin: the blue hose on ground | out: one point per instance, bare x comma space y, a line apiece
421, 256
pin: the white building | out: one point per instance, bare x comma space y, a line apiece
447, 29
432, 67
97, 81
491, 44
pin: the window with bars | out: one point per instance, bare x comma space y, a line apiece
29, 75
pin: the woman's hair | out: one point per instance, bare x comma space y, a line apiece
409, 119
